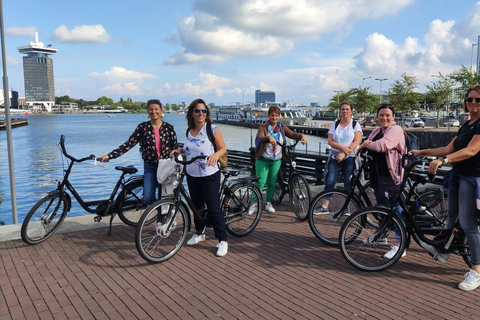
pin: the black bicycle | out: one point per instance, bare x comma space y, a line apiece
364, 245
163, 227
330, 208
47, 215
293, 184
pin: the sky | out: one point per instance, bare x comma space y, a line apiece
224, 50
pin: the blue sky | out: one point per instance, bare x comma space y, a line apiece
222, 51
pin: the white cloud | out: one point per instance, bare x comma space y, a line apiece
12, 61
219, 29
128, 89
206, 84
121, 74
16, 31
94, 34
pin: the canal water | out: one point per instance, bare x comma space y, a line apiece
39, 163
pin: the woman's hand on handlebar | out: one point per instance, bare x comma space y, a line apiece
434, 165
104, 158
212, 160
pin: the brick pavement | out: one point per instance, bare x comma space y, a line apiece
279, 271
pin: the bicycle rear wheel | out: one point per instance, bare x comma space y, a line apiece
326, 223
160, 231
359, 246
44, 219
239, 220
300, 196
435, 211
130, 203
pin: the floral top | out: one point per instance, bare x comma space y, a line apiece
145, 135
199, 145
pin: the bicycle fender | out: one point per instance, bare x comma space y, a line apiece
189, 218
67, 198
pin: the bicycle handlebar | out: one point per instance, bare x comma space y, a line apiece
64, 151
185, 162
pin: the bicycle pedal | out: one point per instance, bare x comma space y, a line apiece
97, 219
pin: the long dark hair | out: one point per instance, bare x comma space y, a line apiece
189, 116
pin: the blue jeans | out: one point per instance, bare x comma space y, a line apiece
385, 202
462, 204
150, 184
333, 170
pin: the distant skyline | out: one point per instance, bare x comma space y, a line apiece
222, 51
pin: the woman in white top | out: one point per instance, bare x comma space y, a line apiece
203, 177
343, 137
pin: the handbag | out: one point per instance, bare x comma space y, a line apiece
386, 184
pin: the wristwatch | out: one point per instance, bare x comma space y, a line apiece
445, 160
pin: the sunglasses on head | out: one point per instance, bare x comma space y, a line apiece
204, 111
470, 99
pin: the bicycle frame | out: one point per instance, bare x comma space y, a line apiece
407, 216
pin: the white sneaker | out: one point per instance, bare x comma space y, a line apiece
269, 207
222, 248
196, 238
392, 252
471, 282
253, 209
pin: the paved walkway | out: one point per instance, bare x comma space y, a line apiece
279, 271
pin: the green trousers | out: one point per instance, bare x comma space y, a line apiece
267, 171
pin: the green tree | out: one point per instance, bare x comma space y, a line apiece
465, 79
363, 100
402, 94
104, 101
439, 93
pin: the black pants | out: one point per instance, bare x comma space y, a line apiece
205, 191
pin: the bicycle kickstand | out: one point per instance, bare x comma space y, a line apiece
110, 227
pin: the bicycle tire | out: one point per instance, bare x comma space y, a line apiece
236, 206
364, 253
300, 196
130, 203
436, 207
320, 223
158, 245
44, 219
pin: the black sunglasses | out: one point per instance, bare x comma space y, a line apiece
204, 111
470, 99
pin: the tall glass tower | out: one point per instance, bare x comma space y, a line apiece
38, 74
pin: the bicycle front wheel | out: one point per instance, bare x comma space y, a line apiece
130, 203
362, 245
241, 217
44, 219
326, 217
300, 196
160, 231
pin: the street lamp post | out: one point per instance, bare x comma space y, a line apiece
381, 80
365, 79
338, 100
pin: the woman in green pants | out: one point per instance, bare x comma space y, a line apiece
269, 153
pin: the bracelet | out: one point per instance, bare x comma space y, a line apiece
443, 161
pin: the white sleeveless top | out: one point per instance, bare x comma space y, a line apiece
196, 146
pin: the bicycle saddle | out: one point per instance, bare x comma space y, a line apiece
230, 173
127, 169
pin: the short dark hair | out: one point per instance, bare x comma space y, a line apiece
275, 109
154, 101
348, 104
386, 106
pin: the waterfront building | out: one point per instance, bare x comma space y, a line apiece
38, 75
264, 96
13, 95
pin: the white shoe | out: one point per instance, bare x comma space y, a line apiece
380, 241
392, 252
253, 209
158, 227
196, 238
471, 282
222, 248
269, 207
